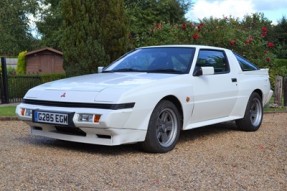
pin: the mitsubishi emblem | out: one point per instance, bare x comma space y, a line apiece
63, 95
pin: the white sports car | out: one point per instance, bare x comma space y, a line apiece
149, 95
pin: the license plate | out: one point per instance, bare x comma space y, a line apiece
51, 117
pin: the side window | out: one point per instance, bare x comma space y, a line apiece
213, 58
245, 64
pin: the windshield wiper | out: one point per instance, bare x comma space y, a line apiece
124, 70
169, 71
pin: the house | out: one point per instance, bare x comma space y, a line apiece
44, 61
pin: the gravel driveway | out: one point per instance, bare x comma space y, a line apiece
210, 158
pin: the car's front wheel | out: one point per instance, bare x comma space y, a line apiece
163, 129
253, 114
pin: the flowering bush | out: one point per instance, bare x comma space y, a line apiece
247, 37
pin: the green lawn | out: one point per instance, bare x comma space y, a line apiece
7, 111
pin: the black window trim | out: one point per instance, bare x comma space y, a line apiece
219, 50
245, 59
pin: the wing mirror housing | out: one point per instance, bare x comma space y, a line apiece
100, 69
202, 71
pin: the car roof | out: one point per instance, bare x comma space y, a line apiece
185, 46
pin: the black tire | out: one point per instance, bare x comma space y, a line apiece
163, 129
253, 114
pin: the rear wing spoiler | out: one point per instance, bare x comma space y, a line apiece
263, 72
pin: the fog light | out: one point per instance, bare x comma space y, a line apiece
86, 117
90, 118
26, 112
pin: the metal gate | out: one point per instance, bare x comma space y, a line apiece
4, 82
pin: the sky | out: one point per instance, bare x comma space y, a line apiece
273, 10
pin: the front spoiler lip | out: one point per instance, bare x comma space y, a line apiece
116, 136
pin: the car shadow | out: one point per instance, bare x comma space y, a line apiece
211, 130
186, 136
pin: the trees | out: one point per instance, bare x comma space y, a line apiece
94, 33
50, 23
143, 14
247, 37
14, 26
280, 36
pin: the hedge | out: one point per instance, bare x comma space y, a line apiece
18, 85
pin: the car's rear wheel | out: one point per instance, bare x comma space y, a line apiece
163, 129
253, 114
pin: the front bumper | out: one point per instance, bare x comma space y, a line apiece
112, 128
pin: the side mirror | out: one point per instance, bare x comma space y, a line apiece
100, 69
202, 71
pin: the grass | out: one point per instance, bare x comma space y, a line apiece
275, 109
267, 108
7, 111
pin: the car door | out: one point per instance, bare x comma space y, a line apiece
214, 95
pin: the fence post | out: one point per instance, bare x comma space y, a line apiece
278, 90
4, 83
285, 91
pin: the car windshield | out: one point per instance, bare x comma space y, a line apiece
175, 60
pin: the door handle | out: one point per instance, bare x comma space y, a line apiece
233, 79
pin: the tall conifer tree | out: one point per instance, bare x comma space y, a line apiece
14, 26
94, 33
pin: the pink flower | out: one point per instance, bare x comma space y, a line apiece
264, 29
183, 26
270, 45
195, 36
158, 26
268, 59
249, 40
263, 32
199, 27
232, 42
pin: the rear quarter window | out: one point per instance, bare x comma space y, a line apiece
245, 65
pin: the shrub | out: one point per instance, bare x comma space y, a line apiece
51, 77
21, 64
11, 71
18, 85
281, 67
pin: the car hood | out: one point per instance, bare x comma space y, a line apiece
104, 87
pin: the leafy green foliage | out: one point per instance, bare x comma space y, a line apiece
18, 85
11, 71
21, 64
280, 37
281, 67
50, 24
244, 37
51, 77
143, 14
14, 26
93, 34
